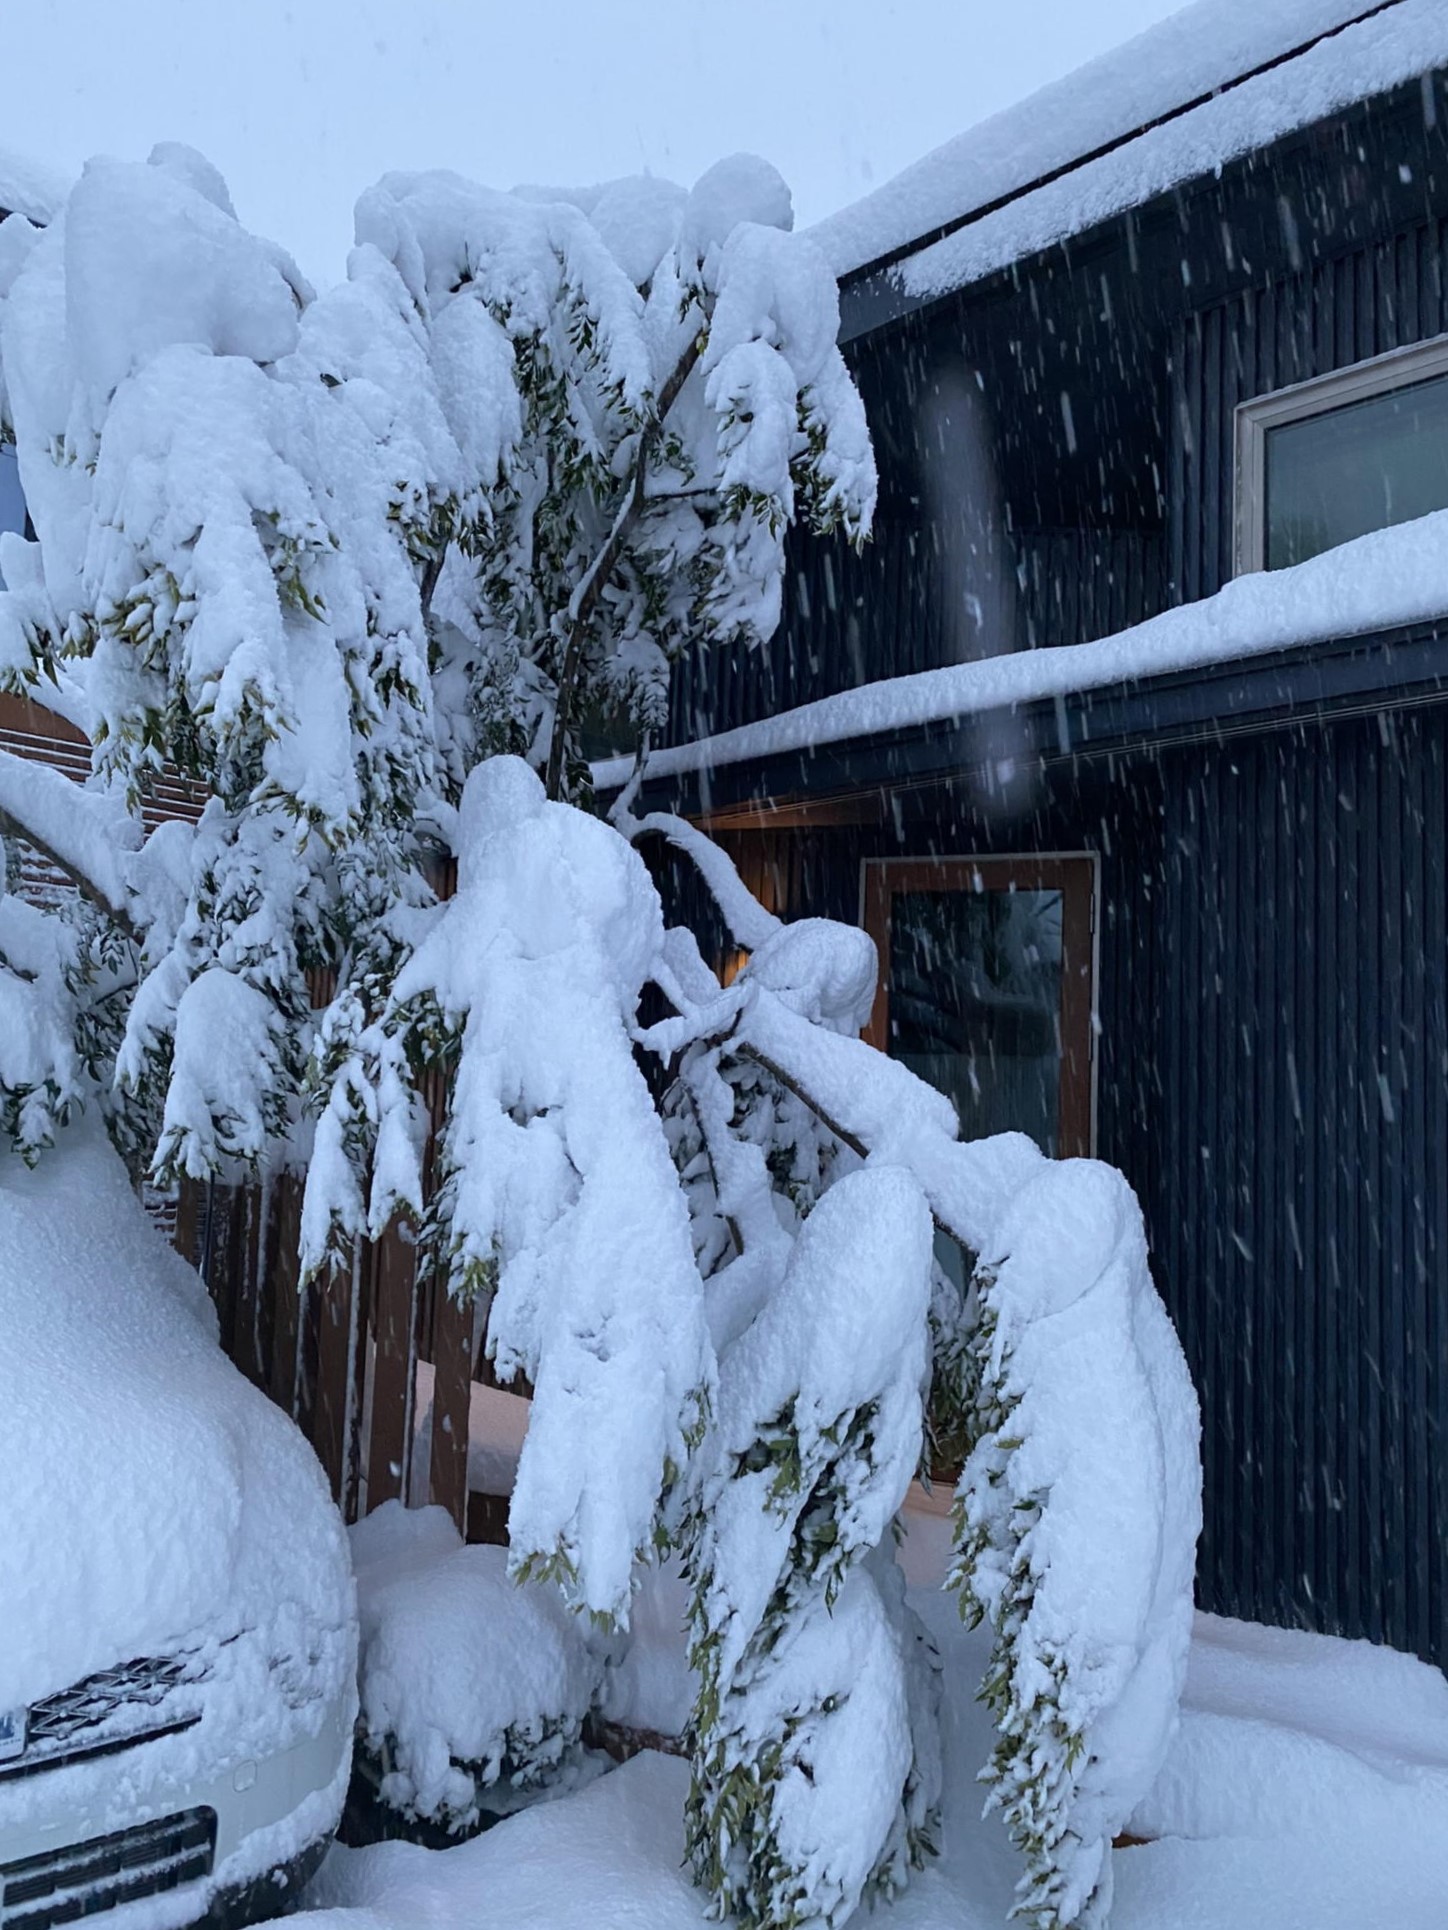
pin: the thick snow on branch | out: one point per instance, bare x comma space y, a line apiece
558, 1182
1080, 1504
805, 1787
1079, 1512
749, 923
842, 1338
42, 1074
87, 833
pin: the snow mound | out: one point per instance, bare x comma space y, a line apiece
611, 1855
30, 187
604, 1859
1281, 1729
467, 1678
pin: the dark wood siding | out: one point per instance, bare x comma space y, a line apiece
849, 618
1323, 317
854, 618
1275, 965
1080, 584
1273, 1080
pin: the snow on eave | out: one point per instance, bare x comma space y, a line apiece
1380, 582
30, 188
1362, 61
1201, 89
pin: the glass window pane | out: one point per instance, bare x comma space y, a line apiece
1364, 466
975, 1004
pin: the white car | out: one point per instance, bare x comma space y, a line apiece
177, 1615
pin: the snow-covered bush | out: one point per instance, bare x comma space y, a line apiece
473, 1690
361, 566
1079, 1504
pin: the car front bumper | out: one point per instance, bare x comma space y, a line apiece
168, 1837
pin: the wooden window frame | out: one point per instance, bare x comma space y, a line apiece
1401, 368
1075, 875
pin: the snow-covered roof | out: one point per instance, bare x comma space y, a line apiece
29, 187
1382, 581
1202, 88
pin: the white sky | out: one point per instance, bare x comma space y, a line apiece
303, 103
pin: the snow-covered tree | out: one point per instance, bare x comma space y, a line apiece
361, 566
326, 555
1078, 1508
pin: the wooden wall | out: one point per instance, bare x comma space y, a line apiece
1273, 1080
1326, 315
341, 1356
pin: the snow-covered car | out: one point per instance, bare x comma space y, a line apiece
177, 1618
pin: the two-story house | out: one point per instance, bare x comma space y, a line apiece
1126, 734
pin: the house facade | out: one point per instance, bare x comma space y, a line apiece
1126, 735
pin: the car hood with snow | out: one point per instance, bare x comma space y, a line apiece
150, 1494
176, 1597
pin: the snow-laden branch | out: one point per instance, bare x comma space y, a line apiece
557, 1196
85, 834
594, 581
750, 925
1080, 1504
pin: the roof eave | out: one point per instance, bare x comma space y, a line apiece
1403, 667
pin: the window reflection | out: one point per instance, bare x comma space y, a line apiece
1364, 466
975, 1004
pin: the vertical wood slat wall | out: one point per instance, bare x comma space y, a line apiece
1274, 1083
852, 619
1316, 1312
1329, 315
1275, 1037
342, 1356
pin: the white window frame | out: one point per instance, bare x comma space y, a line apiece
1382, 374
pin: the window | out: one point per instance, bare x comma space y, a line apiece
1328, 460
986, 988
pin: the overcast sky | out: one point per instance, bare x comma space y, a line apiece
302, 103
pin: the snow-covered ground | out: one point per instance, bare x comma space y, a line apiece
1307, 1790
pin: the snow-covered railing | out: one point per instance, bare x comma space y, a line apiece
1378, 582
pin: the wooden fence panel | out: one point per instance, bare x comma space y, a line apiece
394, 1366
338, 1409
283, 1286
452, 1360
